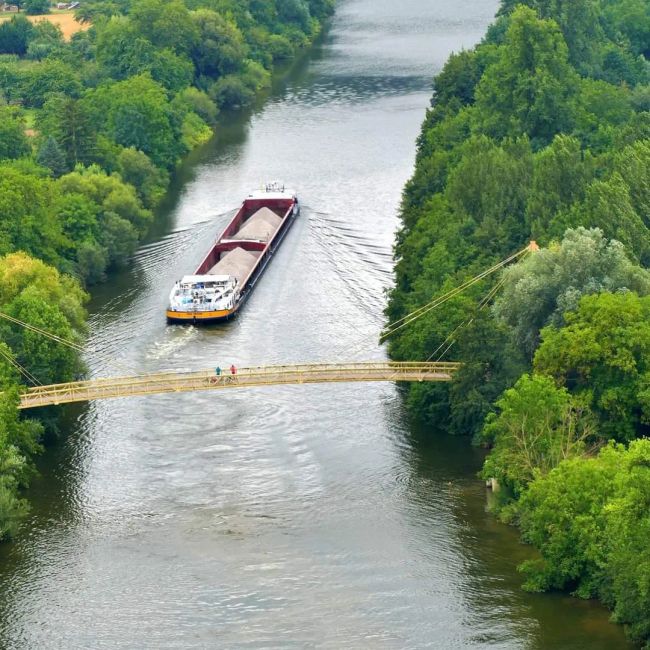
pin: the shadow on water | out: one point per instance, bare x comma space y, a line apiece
442, 485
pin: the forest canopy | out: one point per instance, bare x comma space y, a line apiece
542, 132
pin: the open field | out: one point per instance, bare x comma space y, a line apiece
64, 19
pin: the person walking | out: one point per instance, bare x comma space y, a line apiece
233, 370
217, 371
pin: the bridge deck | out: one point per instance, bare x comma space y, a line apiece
176, 382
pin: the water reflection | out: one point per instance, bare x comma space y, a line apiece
287, 516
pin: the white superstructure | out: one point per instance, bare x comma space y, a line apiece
204, 293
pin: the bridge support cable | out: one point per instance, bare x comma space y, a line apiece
22, 370
482, 304
439, 300
45, 333
57, 339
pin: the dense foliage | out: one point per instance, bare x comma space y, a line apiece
120, 104
90, 130
542, 132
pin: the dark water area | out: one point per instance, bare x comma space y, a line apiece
290, 516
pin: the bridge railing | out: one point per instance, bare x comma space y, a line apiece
175, 381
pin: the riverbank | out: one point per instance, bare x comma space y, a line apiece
111, 112
193, 520
536, 134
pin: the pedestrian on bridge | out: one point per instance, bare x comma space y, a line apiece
217, 371
233, 370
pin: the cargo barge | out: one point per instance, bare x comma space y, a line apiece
227, 275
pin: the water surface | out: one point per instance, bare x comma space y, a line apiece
295, 516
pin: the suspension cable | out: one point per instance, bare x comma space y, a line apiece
483, 303
22, 370
436, 302
43, 332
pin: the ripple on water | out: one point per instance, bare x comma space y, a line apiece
292, 516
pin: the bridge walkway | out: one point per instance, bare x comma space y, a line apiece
177, 382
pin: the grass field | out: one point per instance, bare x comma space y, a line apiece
64, 19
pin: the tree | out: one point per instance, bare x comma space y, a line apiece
542, 288
26, 221
17, 437
136, 168
632, 18
628, 530
165, 24
633, 165
458, 78
561, 173
124, 53
294, 11
136, 113
608, 205
15, 35
530, 88
49, 77
537, 425
603, 355
46, 40
490, 185
230, 92
35, 7
220, 48
119, 237
589, 520
70, 123
13, 142
51, 156
489, 365
564, 516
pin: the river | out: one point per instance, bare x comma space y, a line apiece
295, 516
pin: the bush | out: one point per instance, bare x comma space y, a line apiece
231, 92
36, 7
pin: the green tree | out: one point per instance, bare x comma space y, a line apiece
51, 156
26, 221
36, 7
136, 168
15, 35
70, 123
220, 48
530, 88
50, 76
608, 205
633, 165
136, 113
13, 142
628, 531
119, 237
603, 355
165, 24
537, 425
542, 288
561, 173
47, 40
564, 516
124, 53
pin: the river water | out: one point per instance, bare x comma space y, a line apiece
304, 516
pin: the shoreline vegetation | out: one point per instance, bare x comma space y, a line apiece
542, 132
92, 127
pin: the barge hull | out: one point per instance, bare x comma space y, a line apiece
288, 209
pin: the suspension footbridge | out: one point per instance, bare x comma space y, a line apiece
180, 382
322, 373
